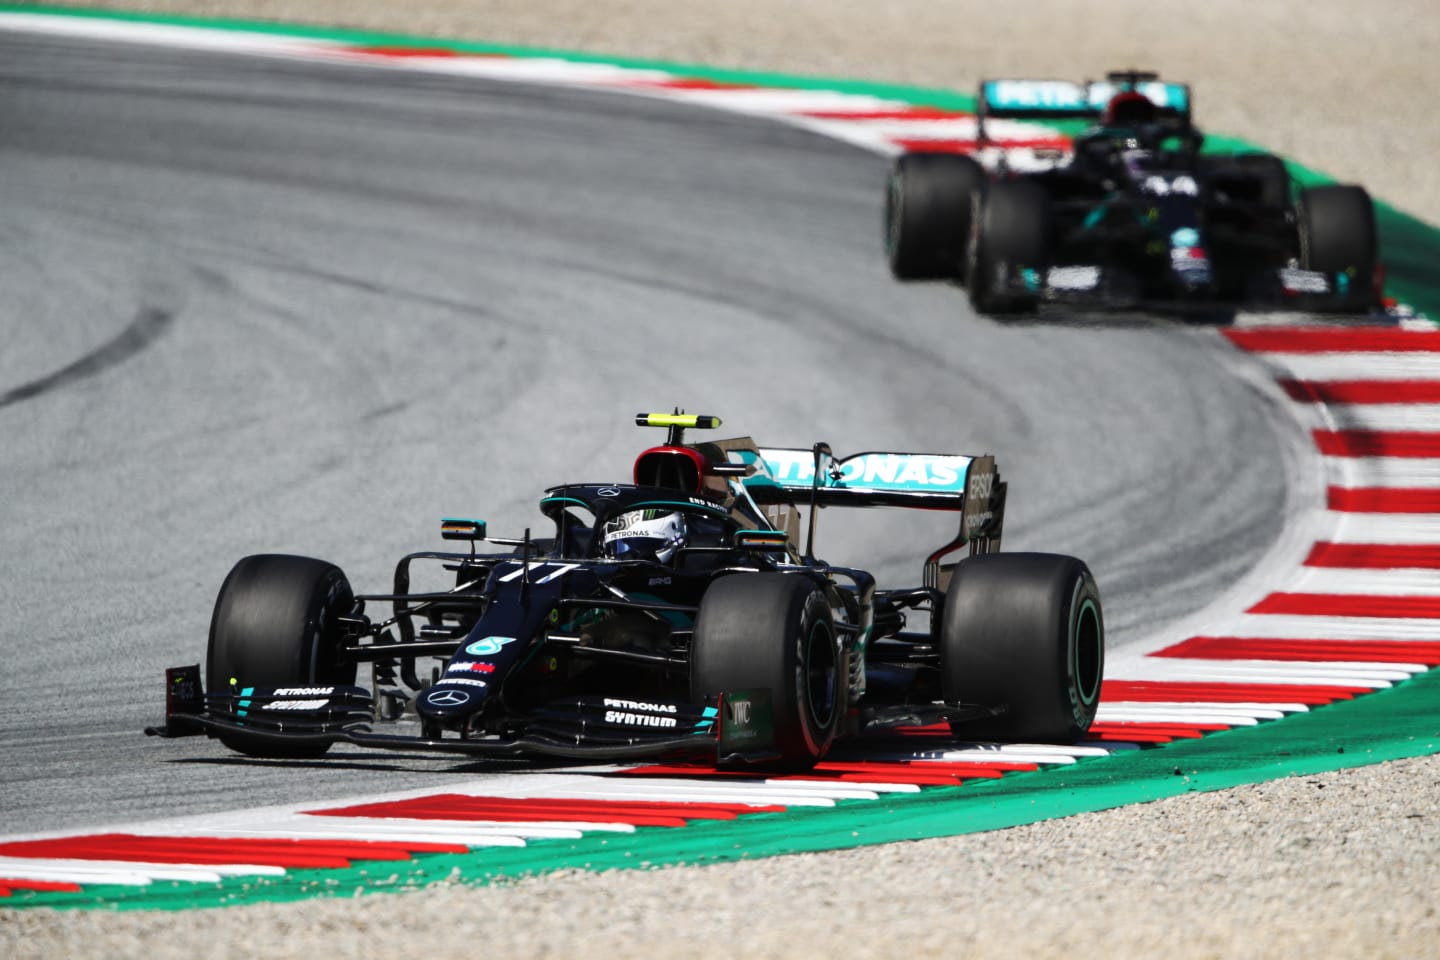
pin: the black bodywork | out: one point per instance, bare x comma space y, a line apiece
549, 647
1132, 212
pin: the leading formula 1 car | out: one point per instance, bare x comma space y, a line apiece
678, 615
1132, 215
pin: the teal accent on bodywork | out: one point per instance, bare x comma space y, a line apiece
243, 707
549, 500
674, 617
678, 505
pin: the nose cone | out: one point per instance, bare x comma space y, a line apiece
449, 700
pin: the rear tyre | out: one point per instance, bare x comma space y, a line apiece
1337, 236
773, 631
1026, 631
927, 214
1011, 235
276, 625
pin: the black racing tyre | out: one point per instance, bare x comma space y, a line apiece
927, 214
275, 625
774, 631
1024, 630
1337, 235
1011, 229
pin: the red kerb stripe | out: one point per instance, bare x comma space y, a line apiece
216, 850
1375, 556
40, 886
1349, 605
903, 113
1164, 691
955, 145
1377, 443
1384, 499
1264, 648
531, 809
688, 83
1363, 391
1334, 340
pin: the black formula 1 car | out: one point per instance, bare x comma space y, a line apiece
1132, 215
677, 615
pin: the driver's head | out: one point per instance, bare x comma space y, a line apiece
1130, 109
644, 535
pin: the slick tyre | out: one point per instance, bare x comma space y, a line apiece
1337, 235
1011, 232
927, 214
1024, 631
774, 631
275, 625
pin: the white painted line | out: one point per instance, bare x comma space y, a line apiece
552, 70
1056, 755
1186, 712
191, 38
1354, 366
1384, 471
681, 793
1374, 676
1283, 626
778, 102
1402, 582
1385, 416
1399, 528
873, 785
319, 830
54, 871
195, 873
950, 128
1187, 718
1251, 709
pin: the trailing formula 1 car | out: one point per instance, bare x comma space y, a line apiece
1132, 215
678, 615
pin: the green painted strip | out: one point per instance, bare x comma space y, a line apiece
1389, 725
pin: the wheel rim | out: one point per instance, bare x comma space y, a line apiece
820, 673
1088, 652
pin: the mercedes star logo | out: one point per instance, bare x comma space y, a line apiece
447, 698
607, 492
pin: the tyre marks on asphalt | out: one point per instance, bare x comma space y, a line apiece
148, 326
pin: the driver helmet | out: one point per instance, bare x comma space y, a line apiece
645, 535
1130, 109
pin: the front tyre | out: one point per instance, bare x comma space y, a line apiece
1011, 234
276, 624
774, 631
1338, 237
927, 214
1024, 631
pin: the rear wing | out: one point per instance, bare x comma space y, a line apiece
1067, 100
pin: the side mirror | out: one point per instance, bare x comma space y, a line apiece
455, 528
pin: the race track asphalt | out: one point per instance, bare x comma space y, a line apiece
256, 305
